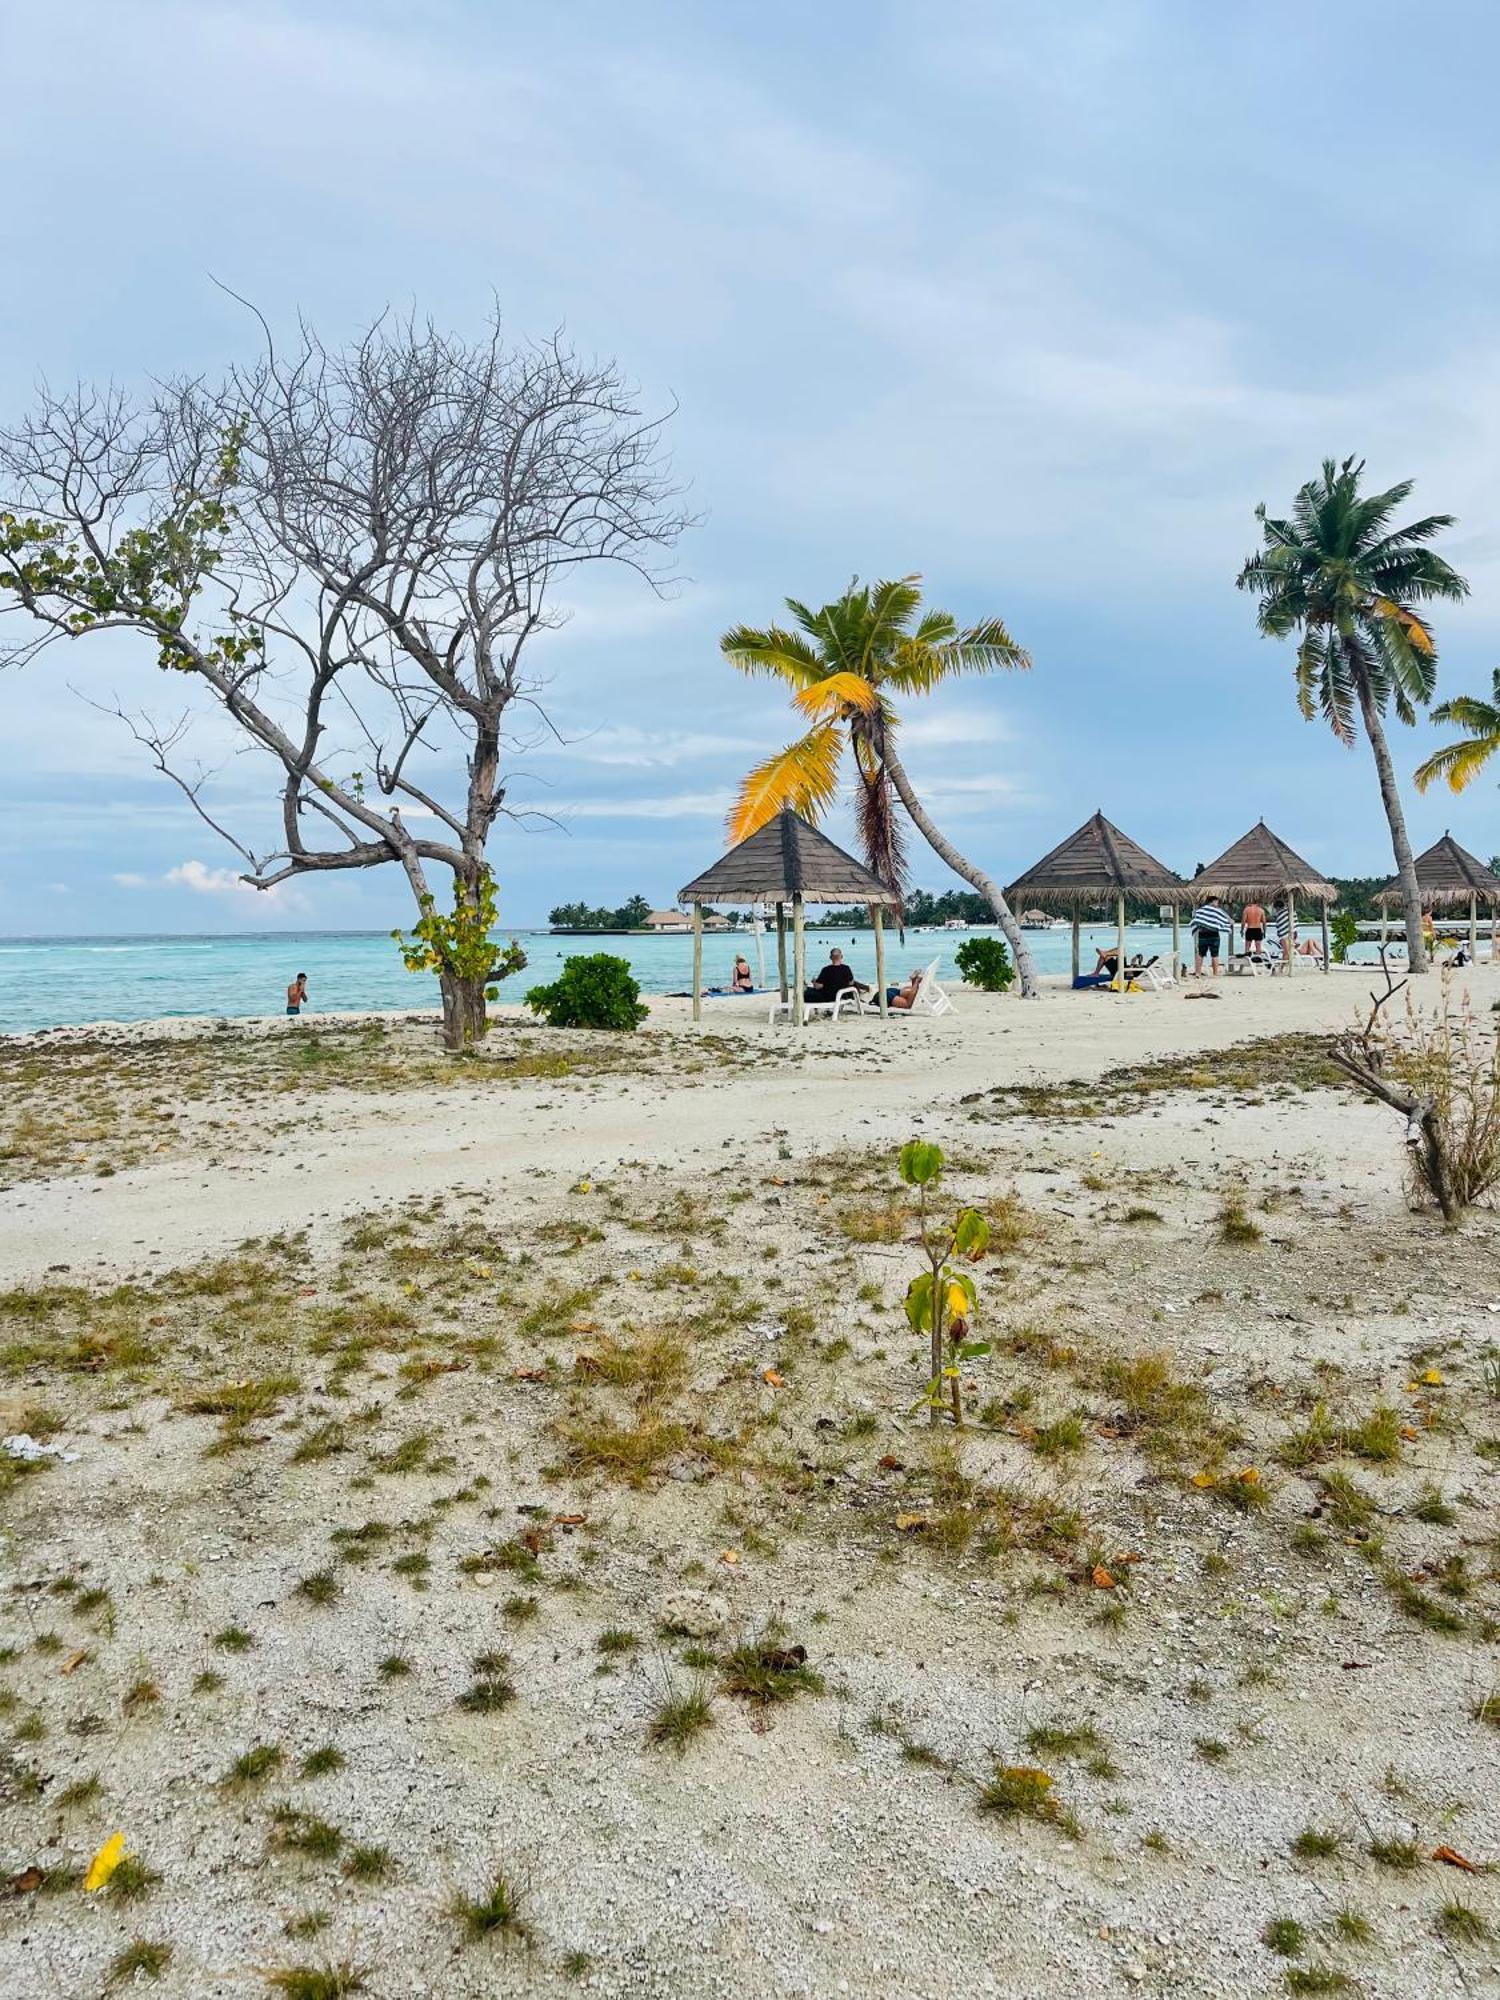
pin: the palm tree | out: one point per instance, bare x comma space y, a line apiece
845, 664
1339, 576
1461, 761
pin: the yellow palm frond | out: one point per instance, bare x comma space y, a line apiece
846, 690
804, 776
1459, 763
1418, 634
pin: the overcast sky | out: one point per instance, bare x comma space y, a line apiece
1037, 300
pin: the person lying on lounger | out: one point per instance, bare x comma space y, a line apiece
903, 998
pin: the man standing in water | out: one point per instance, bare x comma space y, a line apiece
296, 994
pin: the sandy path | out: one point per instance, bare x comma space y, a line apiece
867, 1082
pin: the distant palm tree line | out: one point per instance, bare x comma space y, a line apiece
1338, 575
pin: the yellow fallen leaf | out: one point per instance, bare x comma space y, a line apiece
908, 1522
74, 1661
1409, 1432
776, 1380
1250, 1476
1203, 1480
105, 1862
1433, 1378
730, 1556
1102, 1578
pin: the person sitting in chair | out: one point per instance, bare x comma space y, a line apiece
904, 998
834, 979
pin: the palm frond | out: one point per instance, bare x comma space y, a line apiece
1459, 763
804, 776
840, 690
784, 654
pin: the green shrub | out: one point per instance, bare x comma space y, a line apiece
1344, 931
594, 990
985, 963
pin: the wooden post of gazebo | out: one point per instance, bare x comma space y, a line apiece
877, 918
781, 947
1120, 925
1473, 928
1291, 932
1076, 967
1323, 907
799, 960
1176, 939
697, 961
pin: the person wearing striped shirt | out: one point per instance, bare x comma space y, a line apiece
1211, 924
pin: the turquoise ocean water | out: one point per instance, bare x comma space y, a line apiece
52, 982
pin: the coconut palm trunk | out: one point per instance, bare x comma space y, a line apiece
946, 851
1411, 895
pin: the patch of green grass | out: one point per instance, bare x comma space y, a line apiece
324, 1442
1285, 1936
141, 1957
1016, 1791
1402, 1855
1350, 1508
394, 1668
1235, 1225
82, 1792
320, 1982
1415, 1603
679, 1716
298, 1832
521, 1610
321, 1762
1210, 1749
233, 1639
1316, 1844
499, 1912
1317, 1979
208, 1682
1063, 1740
1487, 1708
492, 1688
615, 1639
1057, 1440
1352, 1928
766, 1672
369, 1864
132, 1879
252, 1766
1431, 1507
322, 1587
1463, 1924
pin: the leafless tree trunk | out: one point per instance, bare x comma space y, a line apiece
348, 552
1360, 1056
946, 851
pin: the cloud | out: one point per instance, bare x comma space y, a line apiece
676, 805
129, 880
225, 882
631, 748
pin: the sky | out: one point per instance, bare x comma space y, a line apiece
1036, 301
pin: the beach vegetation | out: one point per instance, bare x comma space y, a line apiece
844, 665
986, 964
321, 1982
680, 1715
352, 480
498, 1911
1460, 762
142, 1958
942, 1300
1342, 578
593, 990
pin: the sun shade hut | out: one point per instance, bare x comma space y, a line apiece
1261, 868
1449, 877
1096, 863
788, 861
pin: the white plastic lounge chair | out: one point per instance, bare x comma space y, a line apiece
1160, 978
929, 999
847, 1002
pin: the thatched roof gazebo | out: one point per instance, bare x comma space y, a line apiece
1448, 877
1261, 867
1095, 862
788, 861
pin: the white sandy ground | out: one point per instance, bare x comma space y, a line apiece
854, 1080
807, 1857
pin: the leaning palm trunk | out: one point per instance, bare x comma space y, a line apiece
946, 851
1411, 895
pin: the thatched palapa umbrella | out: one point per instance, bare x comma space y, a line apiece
1263, 868
788, 861
1448, 877
1098, 861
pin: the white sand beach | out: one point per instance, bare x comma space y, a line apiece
438, 1433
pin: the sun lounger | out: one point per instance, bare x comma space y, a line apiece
929, 999
850, 1001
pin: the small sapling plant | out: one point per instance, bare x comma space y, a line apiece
942, 1300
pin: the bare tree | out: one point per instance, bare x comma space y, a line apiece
347, 551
